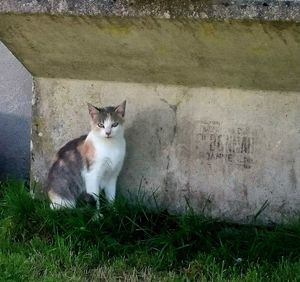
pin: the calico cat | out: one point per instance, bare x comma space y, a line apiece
90, 163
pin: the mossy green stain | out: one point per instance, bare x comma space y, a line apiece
157, 50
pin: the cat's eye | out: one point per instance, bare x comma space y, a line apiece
115, 124
101, 125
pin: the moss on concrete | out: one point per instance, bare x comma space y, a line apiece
240, 54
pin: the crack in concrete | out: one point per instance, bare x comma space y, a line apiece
167, 178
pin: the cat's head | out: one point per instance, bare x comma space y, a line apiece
108, 122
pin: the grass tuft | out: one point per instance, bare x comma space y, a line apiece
132, 243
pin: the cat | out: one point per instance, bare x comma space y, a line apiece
91, 163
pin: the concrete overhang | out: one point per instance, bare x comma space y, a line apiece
242, 44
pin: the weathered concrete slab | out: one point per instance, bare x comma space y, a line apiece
201, 9
192, 135
239, 54
225, 151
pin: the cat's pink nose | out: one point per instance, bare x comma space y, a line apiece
107, 133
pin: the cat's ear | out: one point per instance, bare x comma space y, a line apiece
92, 110
120, 110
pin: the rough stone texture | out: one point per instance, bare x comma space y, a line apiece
201, 9
15, 116
240, 54
225, 151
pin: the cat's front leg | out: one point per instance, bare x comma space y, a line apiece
92, 187
110, 189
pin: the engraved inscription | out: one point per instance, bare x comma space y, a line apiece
234, 146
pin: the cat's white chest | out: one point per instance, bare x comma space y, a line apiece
109, 157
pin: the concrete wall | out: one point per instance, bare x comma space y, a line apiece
225, 151
15, 116
213, 95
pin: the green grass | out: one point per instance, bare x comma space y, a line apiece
132, 244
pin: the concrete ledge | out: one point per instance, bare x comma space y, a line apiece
239, 54
201, 9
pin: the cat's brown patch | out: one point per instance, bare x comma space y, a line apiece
87, 151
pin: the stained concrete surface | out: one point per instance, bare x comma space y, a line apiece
213, 105
15, 116
189, 9
239, 54
226, 152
